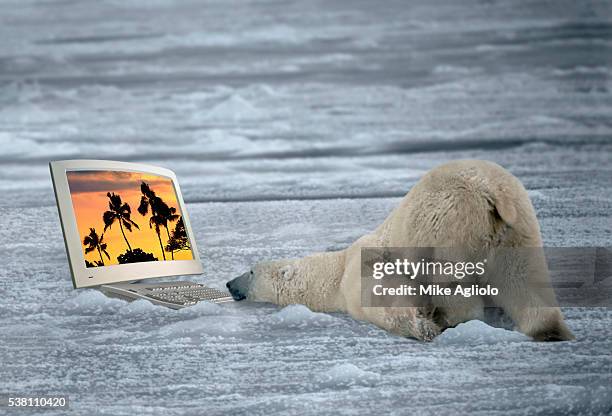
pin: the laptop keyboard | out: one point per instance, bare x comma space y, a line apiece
187, 294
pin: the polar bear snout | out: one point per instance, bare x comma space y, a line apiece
239, 287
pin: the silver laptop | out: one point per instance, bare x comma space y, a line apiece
125, 222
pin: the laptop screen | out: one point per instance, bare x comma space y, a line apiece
127, 217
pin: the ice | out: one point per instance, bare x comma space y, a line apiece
93, 302
347, 375
299, 316
296, 128
453, 69
582, 69
477, 332
234, 108
202, 309
141, 307
204, 326
295, 230
220, 141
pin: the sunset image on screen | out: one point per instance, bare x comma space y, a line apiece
127, 217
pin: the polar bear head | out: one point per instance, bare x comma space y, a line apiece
265, 282
313, 281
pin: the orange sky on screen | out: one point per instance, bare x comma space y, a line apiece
88, 191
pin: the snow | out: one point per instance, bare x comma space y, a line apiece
200, 327
299, 316
92, 302
234, 108
478, 332
293, 129
347, 375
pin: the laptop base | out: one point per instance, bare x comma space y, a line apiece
175, 295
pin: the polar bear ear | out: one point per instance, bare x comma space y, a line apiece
287, 272
504, 205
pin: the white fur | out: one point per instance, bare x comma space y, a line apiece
470, 203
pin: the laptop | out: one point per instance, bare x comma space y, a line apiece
124, 223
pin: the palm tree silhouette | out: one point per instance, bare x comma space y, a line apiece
158, 221
93, 242
178, 241
169, 214
120, 212
161, 213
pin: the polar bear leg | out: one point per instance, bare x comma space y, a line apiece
525, 293
404, 321
411, 322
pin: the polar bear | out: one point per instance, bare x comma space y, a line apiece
467, 203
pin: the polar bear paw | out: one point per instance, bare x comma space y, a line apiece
422, 329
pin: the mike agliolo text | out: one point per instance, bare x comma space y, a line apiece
435, 290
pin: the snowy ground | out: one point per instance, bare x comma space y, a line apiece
293, 128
